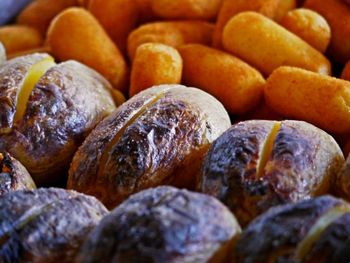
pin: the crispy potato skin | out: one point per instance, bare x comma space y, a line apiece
168, 225
303, 163
12, 76
301, 94
164, 145
64, 106
274, 236
45, 225
13, 175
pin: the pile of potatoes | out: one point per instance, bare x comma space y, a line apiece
127, 103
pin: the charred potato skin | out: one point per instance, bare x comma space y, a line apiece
164, 145
65, 105
45, 225
301, 153
333, 246
162, 224
275, 234
12, 76
13, 175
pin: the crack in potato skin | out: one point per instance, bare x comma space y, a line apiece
303, 164
66, 103
164, 145
162, 224
281, 229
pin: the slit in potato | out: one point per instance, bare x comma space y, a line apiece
106, 154
266, 151
318, 228
31, 79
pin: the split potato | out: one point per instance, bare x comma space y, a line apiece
256, 165
47, 109
157, 137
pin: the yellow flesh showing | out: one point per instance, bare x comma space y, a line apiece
31, 79
317, 229
106, 153
267, 150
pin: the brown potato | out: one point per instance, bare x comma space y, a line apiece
315, 98
39, 13
171, 33
345, 74
158, 137
163, 224
236, 84
13, 175
186, 9
46, 225
47, 110
154, 64
118, 18
18, 38
284, 6
76, 34
229, 8
337, 14
310, 26
266, 45
259, 164
311, 231
146, 13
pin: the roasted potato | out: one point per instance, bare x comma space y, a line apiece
157, 137
45, 225
266, 45
163, 224
311, 231
46, 111
259, 164
13, 175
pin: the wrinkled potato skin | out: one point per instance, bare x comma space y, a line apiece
274, 236
46, 225
303, 163
170, 225
12, 76
13, 175
66, 103
165, 145
333, 246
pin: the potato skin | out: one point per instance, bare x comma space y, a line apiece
303, 163
274, 236
65, 105
165, 144
162, 224
13, 175
45, 225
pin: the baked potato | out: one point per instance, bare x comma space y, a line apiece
158, 137
13, 175
315, 230
259, 164
45, 225
163, 224
46, 110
